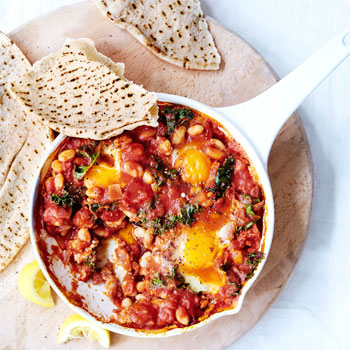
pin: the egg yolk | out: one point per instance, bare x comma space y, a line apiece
126, 234
101, 176
200, 249
195, 166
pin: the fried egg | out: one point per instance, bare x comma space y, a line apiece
197, 249
102, 174
194, 165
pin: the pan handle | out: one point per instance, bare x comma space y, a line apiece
261, 118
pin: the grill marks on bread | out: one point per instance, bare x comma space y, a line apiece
22, 144
174, 30
79, 92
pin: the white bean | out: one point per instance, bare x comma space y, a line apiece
195, 130
179, 135
68, 154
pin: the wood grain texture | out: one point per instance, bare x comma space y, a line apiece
243, 75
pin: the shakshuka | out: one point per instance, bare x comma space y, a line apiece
181, 205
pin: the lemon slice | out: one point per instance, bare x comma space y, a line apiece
75, 327
33, 285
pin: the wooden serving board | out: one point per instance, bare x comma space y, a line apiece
243, 75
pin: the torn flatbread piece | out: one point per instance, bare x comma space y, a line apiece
87, 47
23, 143
174, 30
79, 92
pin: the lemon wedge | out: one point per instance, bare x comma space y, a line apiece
33, 285
75, 327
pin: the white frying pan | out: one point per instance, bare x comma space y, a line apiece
254, 124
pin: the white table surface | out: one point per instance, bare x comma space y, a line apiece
313, 311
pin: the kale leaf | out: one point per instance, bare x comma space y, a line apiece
162, 224
223, 178
174, 117
187, 213
81, 170
65, 200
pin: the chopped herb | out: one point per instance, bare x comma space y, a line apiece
159, 181
249, 209
255, 200
170, 173
172, 219
238, 285
238, 288
158, 226
223, 178
89, 261
163, 172
248, 226
165, 223
81, 170
157, 281
183, 115
253, 260
187, 213
65, 200
245, 228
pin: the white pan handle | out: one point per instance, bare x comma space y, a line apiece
262, 117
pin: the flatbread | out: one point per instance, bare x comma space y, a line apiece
22, 145
79, 92
174, 30
87, 47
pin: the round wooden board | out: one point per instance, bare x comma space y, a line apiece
243, 75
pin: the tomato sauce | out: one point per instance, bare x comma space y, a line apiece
182, 206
